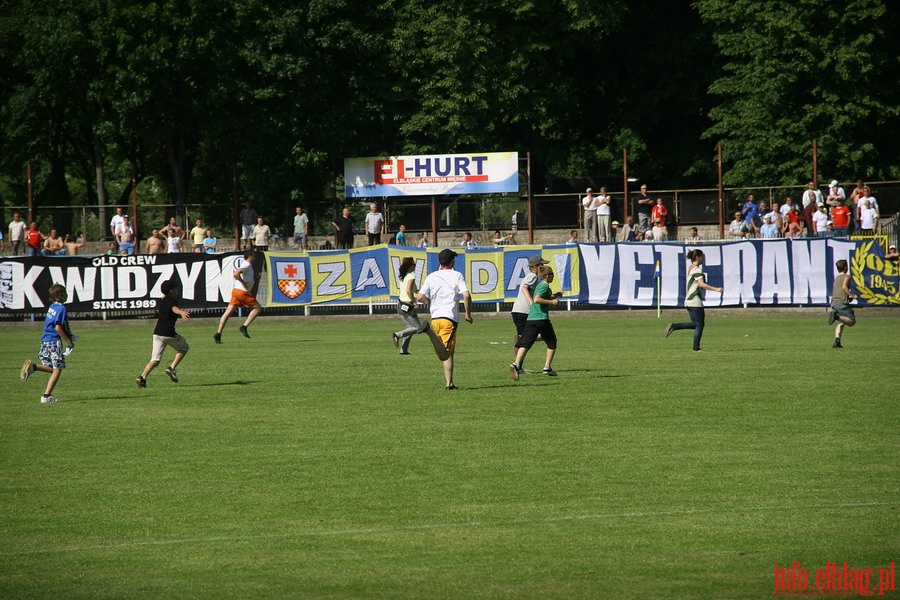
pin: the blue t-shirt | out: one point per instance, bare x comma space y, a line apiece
210, 242
56, 315
750, 211
401, 238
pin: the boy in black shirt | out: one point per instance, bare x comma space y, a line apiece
164, 334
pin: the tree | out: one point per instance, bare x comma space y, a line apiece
798, 71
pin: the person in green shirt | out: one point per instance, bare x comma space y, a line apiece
538, 324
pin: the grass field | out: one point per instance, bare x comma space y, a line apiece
313, 462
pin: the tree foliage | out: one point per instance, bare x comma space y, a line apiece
798, 71
185, 93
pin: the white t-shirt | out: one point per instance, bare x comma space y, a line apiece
603, 207
374, 222
443, 287
811, 196
522, 305
820, 218
246, 268
785, 209
174, 244
17, 231
587, 202
867, 218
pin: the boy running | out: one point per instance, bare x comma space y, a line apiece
164, 334
52, 355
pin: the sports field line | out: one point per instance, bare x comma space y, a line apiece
457, 525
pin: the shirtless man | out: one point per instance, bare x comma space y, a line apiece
125, 236
154, 243
72, 246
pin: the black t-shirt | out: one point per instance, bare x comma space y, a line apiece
345, 227
643, 209
165, 326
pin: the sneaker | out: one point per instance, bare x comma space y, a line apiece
396, 340
832, 317
217, 337
669, 330
27, 370
452, 387
172, 374
244, 331
48, 399
837, 344
140, 381
514, 371
405, 353
549, 371
424, 327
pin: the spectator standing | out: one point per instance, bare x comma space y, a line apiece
197, 235
538, 325
423, 241
793, 223
54, 245
841, 311
173, 226
750, 214
840, 217
441, 292
245, 277
502, 240
868, 218
210, 242
812, 196
515, 220
589, 205
343, 227
248, 222
866, 195
400, 238
34, 239
693, 301
374, 225
856, 193
125, 236
115, 223
174, 242
644, 208
604, 226
261, 235
56, 332
659, 212
168, 312
17, 229
809, 212
468, 243
406, 306
155, 243
819, 221
301, 230
694, 236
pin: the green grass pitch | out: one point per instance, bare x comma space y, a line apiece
312, 461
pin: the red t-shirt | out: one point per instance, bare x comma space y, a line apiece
840, 216
34, 238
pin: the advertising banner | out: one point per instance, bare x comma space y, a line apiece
432, 175
754, 272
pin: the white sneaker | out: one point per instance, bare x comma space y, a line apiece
172, 374
27, 370
47, 399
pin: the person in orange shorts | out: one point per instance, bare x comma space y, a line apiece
244, 280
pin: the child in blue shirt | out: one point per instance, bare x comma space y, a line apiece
52, 354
